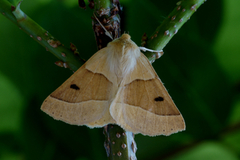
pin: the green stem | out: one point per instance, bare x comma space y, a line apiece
25, 23
100, 5
170, 26
119, 144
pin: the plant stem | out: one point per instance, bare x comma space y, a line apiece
119, 144
101, 5
68, 57
170, 26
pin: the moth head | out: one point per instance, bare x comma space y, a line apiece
125, 37
124, 41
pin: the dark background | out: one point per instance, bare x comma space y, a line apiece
200, 68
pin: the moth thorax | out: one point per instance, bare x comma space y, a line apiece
128, 59
122, 56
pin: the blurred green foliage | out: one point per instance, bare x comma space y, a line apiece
200, 69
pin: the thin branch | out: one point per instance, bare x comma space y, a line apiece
102, 7
119, 144
170, 26
69, 57
106, 32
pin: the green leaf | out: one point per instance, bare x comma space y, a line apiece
227, 47
14, 2
235, 112
233, 140
209, 151
11, 105
11, 156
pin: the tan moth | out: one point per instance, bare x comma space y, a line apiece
116, 85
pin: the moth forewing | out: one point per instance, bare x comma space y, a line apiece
143, 105
84, 98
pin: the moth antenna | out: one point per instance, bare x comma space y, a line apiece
158, 53
106, 32
150, 50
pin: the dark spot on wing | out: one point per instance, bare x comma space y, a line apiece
74, 86
158, 99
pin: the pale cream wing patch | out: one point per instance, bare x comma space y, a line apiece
144, 106
84, 98
142, 71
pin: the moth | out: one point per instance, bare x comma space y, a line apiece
117, 85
